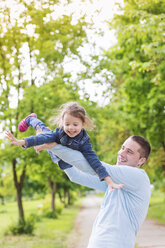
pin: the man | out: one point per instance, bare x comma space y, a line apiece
123, 210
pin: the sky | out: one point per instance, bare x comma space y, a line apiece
99, 11
106, 9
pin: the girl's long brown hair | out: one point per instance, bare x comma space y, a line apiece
74, 109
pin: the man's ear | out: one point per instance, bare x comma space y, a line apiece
141, 162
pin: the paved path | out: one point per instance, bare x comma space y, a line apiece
83, 225
151, 234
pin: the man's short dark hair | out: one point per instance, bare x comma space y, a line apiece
145, 145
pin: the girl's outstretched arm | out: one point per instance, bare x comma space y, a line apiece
13, 140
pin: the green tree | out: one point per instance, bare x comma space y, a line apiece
7, 190
32, 40
137, 63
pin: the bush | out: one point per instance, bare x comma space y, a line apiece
21, 227
46, 212
50, 214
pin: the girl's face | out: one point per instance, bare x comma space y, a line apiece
72, 125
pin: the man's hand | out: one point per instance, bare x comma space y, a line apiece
13, 140
38, 130
44, 146
39, 148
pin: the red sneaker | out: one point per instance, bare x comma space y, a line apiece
23, 126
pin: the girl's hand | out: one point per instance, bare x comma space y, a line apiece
13, 140
112, 185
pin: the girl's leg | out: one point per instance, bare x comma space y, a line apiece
72, 157
34, 122
31, 120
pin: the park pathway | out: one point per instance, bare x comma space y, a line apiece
83, 225
151, 234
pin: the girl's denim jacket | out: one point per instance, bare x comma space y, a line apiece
81, 142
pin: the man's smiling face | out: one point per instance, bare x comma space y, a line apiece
129, 154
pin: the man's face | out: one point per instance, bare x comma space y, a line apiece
129, 154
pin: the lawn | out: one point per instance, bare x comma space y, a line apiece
49, 233
157, 206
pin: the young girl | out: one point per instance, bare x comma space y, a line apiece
71, 133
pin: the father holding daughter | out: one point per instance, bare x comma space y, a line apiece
126, 185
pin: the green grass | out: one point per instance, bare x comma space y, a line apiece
49, 233
157, 206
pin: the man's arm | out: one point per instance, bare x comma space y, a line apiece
132, 178
81, 173
85, 179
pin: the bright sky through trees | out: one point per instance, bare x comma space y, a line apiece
97, 10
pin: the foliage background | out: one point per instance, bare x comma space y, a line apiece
34, 47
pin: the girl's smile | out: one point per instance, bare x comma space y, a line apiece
72, 125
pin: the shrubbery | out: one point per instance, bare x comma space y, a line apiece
46, 212
21, 227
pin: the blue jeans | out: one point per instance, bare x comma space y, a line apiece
34, 122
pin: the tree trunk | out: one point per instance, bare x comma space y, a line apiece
62, 199
19, 186
53, 205
2, 200
53, 186
20, 205
163, 144
65, 195
69, 197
